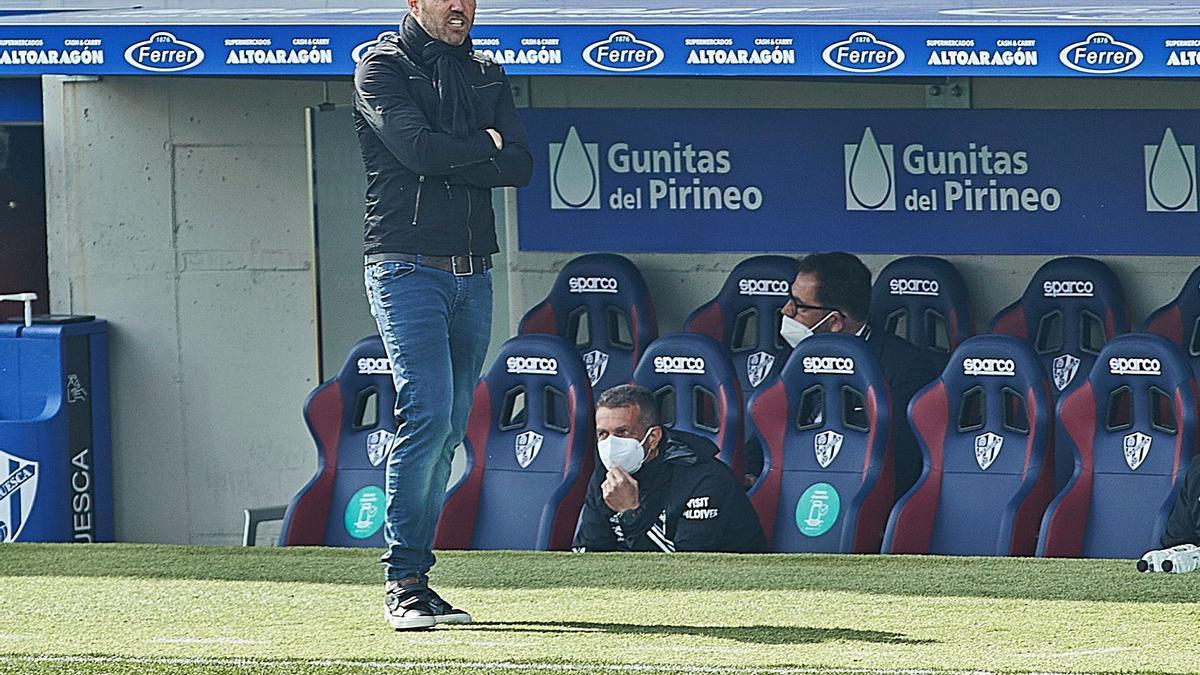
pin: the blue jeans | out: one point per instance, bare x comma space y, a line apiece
435, 327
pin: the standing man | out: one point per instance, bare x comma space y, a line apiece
438, 130
832, 294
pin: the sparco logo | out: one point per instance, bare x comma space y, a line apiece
914, 286
373, 366
1006, 367
592, 285
164, 53
764, 287
1102, 54
863, 53
685, 365
828, 365
1068, 289
532, 365
622, 52
1127, 366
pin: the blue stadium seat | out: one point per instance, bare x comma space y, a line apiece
744, 317
828, 476
1179, 320
985, 428
1070, 309
351, 421
923, 300
696, 384
1131, 430
530, 452
601, 303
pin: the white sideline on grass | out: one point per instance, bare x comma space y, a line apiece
485, 666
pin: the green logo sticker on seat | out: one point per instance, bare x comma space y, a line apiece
364, 513
817, 509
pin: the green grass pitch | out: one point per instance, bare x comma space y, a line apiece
174, 610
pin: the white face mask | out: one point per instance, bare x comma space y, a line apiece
793, 332
626, 453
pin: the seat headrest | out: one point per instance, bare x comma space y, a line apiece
994, 362
1140, 360
681, 358
1070, 285
600, 280
365, 364
538, 361
832, 359
1176, 320
763, 281
915, 284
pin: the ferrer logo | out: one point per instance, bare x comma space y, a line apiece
361, 50
1101, 54
1005, 367
914, 287
828, 365
164, 53
681, 365
622, 52
778, 287
592, 285
863, 53
532, 365
1068, 289
1128, 366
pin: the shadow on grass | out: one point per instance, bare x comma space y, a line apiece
905, 575
763, 635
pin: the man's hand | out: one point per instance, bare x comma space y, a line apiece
496, 138
620, 490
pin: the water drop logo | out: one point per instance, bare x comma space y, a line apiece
1100, 54
862, 52
1170, 175
164, 53
574, 173
870, 174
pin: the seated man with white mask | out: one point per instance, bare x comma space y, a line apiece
660, 491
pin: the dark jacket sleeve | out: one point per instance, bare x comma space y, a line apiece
594, 532
718, 517
382, 98
513, 165
1183, 525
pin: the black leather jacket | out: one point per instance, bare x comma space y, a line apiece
429, 192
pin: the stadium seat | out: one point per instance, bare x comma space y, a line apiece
828, 479
1179, 320
1131, 430
1071, 307
744, 317
601, 303
985, 430
925, 301
697, 388
530, 452
351, 421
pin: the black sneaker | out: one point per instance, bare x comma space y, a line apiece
408, 608
443, 612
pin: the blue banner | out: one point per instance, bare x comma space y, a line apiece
556, 49
868, 181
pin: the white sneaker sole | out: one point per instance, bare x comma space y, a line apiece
460, 618
409, 623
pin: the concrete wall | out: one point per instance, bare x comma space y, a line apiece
179, 210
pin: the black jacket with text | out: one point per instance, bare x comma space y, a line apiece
690, 501
429, 192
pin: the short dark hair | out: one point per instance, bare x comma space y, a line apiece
624, 395
844, 282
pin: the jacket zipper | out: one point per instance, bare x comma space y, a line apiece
417, 207
470, 234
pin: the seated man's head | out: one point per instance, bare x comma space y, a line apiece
628, 429
831, 294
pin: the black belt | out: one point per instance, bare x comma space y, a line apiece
458, 265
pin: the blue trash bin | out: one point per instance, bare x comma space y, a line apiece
55, 437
